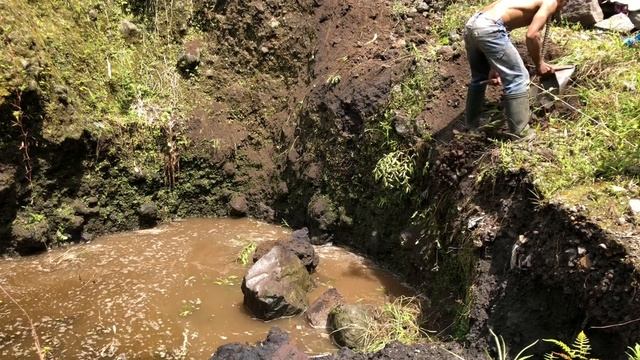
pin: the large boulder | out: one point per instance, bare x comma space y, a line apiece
585, 12
302, 248
276, 285
349, 325
318, 313
277, 346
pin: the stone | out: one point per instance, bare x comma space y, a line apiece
422, 6
277, 346
238, 206
322, 211
29, 238
229, 169
129, 31
148, 214
318, 313
585, 12
301, 248
403, 125
348, 324
276, 285
301, 235
454, 36
634, 206
618, 23
446, 52
80, 208
189, 60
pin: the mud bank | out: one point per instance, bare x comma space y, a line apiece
334, 115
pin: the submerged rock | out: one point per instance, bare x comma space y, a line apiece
318, 313
276, 285
277, 346
349, 323
302, 249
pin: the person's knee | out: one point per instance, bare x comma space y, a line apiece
517, 85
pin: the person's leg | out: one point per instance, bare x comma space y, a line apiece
504, 57
480, 68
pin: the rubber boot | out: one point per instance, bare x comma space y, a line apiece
473, 110
517, 112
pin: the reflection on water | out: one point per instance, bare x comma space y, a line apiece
168, 292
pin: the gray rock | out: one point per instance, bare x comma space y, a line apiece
446, 52
148, 214
422, 6
129, 30
238, 206
403, 124
634, 205
454, 36
301, 248
81, 208
276, 285
585, 12
318, 313
618, 23
277, 346
29, 238
348, 324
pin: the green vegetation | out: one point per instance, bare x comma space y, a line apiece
395, 321
578, 351
246, 253
394, 171
595, 148
634, 352
503, 353
454, 18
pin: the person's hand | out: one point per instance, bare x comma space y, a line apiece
545, 69
494, 78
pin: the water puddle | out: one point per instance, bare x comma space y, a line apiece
168, 292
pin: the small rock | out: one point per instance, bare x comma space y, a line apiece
229, 169
446, 52
454, 36
318, 313
301, 235
238, 206
348, 323
148, 214
264, 49
634, 205
422, 6
129, 30
581, 250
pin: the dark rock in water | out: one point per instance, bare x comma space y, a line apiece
238, 206
318, 313
301, 235
348, 324
301, 248
276, 285
30, 238
148, 214
277, 346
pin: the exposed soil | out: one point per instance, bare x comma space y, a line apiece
290, 96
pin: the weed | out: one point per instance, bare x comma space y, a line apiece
399, 9
454, 18
578, 351
634, 353
189, 307
35, 218
502, 348
334, 79
230, 280
395, 321
394, 171
246, 253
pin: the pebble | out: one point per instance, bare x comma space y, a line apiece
634, 204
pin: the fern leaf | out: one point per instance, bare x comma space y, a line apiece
581, 347
566, 348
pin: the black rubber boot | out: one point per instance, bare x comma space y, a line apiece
475, 99
517, 112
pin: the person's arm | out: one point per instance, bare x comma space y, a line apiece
534, 44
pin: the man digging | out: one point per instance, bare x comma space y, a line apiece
494, 60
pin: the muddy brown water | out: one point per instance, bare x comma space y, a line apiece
169, 292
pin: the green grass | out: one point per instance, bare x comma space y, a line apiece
122, 93
245, 255
595, 147
454, 18
394, 321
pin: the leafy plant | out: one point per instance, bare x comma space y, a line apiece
578, 351
334, 79
394, 171
634, 353
246, 253
502, 348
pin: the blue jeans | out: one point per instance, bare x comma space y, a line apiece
488, 46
